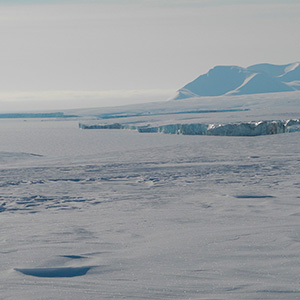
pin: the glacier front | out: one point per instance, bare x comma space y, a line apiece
231, 129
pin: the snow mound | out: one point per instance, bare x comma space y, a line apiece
235, 80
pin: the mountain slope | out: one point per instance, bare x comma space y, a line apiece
234, 80
218, 81
261, 83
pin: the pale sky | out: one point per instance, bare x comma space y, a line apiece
147, 49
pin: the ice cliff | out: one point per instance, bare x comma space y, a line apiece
230, 129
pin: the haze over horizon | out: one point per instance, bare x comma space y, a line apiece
149, 49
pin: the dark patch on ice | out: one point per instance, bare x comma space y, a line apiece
34, 154
96, 202
11, 183
204, 205
55, 272
2, 207
200, 270
37, 182
236, 288
253, 196
66, 179
32, 199
73, 256
96, 253
105, 178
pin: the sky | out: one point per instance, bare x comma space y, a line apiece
75, 53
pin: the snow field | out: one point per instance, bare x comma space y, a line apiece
178, 217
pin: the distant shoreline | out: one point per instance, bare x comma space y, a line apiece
35, 115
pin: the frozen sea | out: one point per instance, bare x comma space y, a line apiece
114, 214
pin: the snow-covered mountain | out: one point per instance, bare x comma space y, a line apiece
235, 80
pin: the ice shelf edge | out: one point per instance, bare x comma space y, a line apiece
230, 129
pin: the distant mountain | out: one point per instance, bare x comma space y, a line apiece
234, 80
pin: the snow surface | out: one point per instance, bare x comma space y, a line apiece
177, 217
234, 80
114, 214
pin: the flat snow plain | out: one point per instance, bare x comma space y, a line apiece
114, 214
